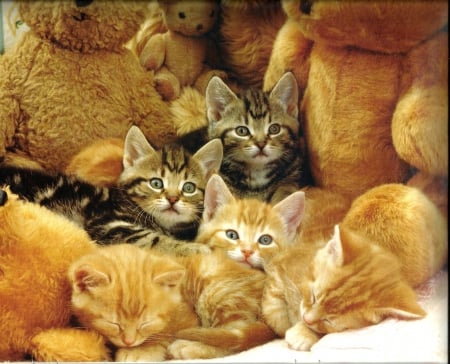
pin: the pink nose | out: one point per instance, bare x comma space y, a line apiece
247, 252
127, 341
307, 320
172, 199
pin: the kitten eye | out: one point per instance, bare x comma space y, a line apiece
115, 326
156, 183
265, 239
274, 129
242, 131
313, 297
232, 234
189, 187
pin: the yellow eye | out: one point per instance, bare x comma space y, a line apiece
242, 131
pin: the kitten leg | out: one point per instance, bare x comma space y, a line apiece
187, 349
141, 353
179, 247
299, 337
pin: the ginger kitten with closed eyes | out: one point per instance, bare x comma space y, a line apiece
392, 239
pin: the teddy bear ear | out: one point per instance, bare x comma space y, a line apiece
286, 93
218, 97
136, 147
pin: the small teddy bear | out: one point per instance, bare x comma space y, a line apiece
70, 80
37, 247
179, 55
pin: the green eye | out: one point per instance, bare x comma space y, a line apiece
274, 129
242, 131
232, 234
156, 183
189, 187
265, 239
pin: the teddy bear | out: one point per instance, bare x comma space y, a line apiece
372, 77
37, 247
70, 80
181, 55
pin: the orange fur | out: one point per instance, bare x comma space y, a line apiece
392, 239
100, 163
36, 248
152, 306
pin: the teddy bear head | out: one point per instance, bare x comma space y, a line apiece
84, 25
190, 18
379, 25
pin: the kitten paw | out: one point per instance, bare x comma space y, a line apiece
301, 338
188, 350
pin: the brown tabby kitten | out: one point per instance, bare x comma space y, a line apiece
392, 239
153, 307
250, 231
260, 133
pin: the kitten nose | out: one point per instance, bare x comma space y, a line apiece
308, 321
246, 253
128, 341
172, 199
261, 144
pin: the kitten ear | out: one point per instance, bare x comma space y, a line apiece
86, 277
286, 93
169, 278
291, 209
216, 195
218, 96
210, 157
334, 248
136, 147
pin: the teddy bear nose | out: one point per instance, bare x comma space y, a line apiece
199, 27
305, 6
83, 3
3, 197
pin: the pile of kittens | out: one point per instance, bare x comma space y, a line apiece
202, 253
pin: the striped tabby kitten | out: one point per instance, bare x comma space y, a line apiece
263, 148
158, 197
153, 306
250, 231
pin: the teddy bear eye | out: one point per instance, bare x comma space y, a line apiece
181, 15
212, 14
305, 6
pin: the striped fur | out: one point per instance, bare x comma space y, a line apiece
263, 146
133, 211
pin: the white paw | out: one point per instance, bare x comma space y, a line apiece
300, 338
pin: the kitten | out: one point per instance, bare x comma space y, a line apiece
263, 148
250, 231
392, 239
152, 306
158, 197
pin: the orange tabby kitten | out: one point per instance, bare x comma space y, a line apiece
250, 231
392, 239
142, 301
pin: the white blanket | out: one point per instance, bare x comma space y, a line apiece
421, 341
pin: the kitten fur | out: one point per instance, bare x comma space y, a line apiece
152, 306
392, 239
263, 147
158, 199
250, 231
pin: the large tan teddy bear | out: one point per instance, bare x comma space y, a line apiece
37, 247
373, 79
70, 80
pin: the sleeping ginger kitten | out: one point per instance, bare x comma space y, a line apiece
153, 307
250, 231
392, 239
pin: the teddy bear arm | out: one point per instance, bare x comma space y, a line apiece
9, 116
289, 53
153, 54
420, 120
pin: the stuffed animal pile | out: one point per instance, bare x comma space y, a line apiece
373, 86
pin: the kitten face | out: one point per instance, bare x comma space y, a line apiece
251, 232
127, 306
256, 128
352, 285
168, 184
